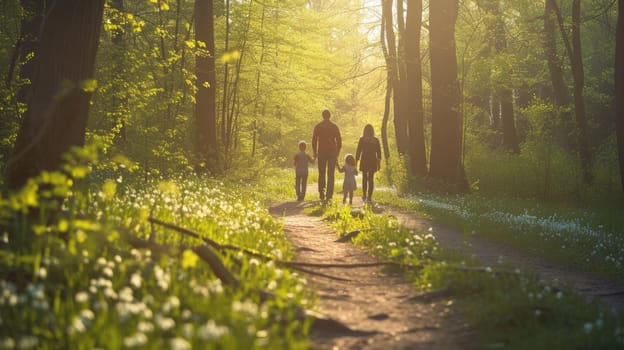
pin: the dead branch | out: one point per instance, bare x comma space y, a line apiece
291, 264
206, 254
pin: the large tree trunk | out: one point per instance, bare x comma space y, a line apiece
446, 135
205, 107
58, 108
619, 86
561, 96
414, 100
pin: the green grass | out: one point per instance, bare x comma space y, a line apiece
588, 238
70, 280
508, 308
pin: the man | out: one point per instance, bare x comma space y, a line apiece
326, 144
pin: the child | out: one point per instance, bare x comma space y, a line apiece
368, 153
349, 185
301, 170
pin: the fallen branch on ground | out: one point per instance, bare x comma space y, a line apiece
282, 263
206, 254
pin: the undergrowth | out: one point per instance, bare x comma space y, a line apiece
587, 238
73, 277
507, 307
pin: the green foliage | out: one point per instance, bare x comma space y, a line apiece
586, 236
71, 280
507, 308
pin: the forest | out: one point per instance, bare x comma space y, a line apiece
147, 146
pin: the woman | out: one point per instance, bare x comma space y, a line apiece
369, 155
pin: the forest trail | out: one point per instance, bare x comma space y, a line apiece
381, 307
490, 253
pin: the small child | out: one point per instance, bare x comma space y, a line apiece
349, 185
301, 170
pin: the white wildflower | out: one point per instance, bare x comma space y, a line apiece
136, 280
145, 327
179, 343
81, 297
212, 331
136, 340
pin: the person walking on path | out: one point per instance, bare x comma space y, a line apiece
302, 159
349, 184
368, 153
326, 144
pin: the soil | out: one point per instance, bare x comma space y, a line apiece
379, 308
382, 310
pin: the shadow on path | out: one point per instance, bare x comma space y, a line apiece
380, 308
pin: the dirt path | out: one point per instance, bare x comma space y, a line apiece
492, 254
383, 309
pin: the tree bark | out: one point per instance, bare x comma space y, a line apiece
576, 59
414, 101
573, 48
446, 135
561, 96
59, 105
388, 97
224, 104
205, 97
392, 66
401, 123
619, 87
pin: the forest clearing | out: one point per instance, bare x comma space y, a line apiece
325, 174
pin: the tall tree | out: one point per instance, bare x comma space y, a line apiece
400, 95
386, 5
226, 76
205, 96
619, 86
503, 95
414, 100
446, 135
395, 67
58, 108
561, 96
573, 48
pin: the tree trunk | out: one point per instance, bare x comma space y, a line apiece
224, 103
578, 73
446, 136
392, 67
619, 87
386, 115
59, 105
400, 94
502, 99
561, 96
205, 105
504, 93
258, 75
414, 101
510, 138
573, 48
